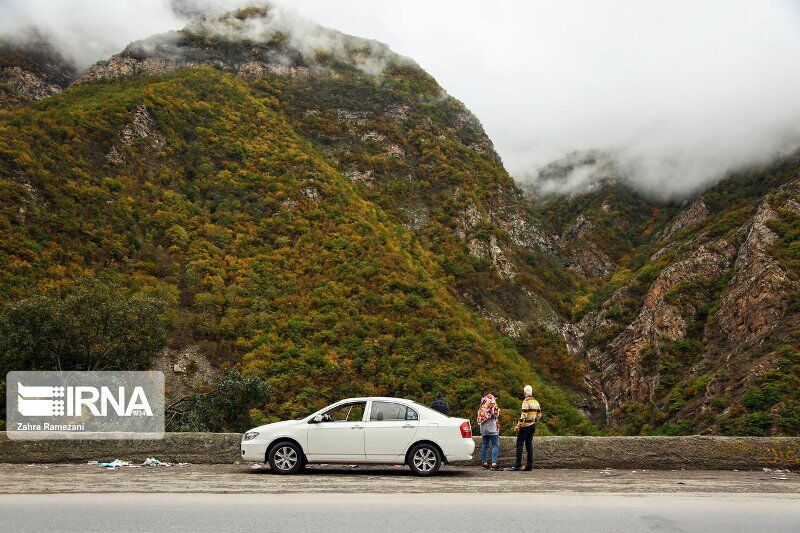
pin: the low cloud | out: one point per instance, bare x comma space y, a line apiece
85, 31
301, 35
678, 93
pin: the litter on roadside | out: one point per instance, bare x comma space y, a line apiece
116, 463
777, 473
152, 461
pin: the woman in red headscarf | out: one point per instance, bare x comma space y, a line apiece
489, 423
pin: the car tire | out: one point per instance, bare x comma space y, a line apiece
286, 458
424, 459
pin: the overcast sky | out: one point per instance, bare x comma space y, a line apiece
680, 91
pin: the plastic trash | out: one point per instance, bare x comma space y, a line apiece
780, 474
116, 463
152, 461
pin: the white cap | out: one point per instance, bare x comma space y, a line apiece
528, 390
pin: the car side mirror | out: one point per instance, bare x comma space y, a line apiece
317, 419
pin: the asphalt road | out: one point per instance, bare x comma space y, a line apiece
586, 512
218, 479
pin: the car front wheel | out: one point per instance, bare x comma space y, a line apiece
424, 460
286, 458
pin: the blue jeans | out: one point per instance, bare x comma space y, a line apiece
494, 442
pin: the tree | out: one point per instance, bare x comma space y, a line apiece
224, 406
90, 326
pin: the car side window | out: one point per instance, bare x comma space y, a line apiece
387, 411
349, 412
357, 412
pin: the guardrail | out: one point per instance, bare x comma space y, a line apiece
692, 452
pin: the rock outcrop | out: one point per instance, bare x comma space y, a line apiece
584, 256
129, 64
755, 300
689, 219
26, 86
141, 127
31, 71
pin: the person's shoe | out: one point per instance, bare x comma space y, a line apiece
485, 466
517, 468
528, 468
495, 468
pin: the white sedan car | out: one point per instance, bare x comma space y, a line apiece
363, 430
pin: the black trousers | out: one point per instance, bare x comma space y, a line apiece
525, 438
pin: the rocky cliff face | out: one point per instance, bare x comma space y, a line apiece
141, 128
30, 71
681, 340
585, 256
756, 299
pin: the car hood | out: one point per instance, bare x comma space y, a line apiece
275, 425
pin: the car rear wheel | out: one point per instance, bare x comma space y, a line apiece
424, 460
286, 458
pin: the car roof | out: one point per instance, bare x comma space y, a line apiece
417, 406
376, 398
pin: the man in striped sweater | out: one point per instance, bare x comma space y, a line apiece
530, 413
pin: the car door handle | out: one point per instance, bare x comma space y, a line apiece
356, 427
408, 426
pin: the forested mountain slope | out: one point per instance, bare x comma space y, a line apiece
404, 143
192, 179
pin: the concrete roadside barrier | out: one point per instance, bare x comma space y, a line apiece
195, 448
691, 452
656, 453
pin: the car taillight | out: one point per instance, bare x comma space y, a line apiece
466, 430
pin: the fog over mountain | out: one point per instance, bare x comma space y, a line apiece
677, 94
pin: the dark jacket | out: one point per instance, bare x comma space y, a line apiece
440, 405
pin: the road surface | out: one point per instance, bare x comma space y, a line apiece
587, 512
19, 479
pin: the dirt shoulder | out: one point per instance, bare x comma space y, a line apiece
83, 478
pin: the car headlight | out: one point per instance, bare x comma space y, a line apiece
250, 435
